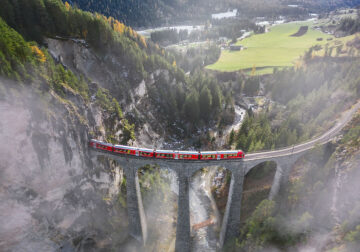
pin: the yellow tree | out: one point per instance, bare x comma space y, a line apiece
67, 6
119, 27
39, 54
253, 70
143, 41
85, 33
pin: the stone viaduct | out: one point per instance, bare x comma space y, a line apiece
284, 159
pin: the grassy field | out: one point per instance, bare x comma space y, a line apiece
276, 48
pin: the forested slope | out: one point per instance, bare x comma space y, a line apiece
160, 12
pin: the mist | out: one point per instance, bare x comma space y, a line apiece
321, 206
52, 192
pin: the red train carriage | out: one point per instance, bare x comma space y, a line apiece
123, 149
230, 154
187, 155
142, 152
164, 154
93, 143
101, 145
209, 155
220, 155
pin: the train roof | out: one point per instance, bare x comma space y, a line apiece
219, 152
188, 152
125, 147
145, 149
228, 152
209, 152
164, 151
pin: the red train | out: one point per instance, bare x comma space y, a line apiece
167, 154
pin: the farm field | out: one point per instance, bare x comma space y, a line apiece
276, 48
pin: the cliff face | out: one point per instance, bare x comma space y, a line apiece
52, 192
109, 72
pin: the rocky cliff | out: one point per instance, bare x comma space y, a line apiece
109, 72
53, 195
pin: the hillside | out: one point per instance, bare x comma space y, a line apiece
161, 12
155, 12
318, 210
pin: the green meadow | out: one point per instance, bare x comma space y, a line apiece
276, 48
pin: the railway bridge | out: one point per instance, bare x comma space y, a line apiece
284, 158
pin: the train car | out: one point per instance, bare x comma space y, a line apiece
220, 155
187, 155
101, 145
209, 155
230, 154
143, 152
93, 142
123, 149
165, 154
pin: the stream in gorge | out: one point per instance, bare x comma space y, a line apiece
202, 208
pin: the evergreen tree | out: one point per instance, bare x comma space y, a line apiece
205, 103
191, 107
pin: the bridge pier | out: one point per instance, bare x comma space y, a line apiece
136, 213
281, 178
183, 220
231, 222
275, 187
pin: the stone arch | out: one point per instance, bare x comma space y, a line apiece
258, 183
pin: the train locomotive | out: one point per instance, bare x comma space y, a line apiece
167, 154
